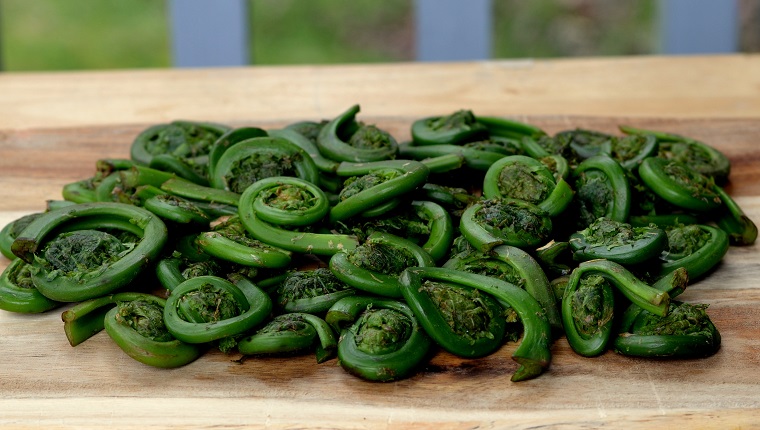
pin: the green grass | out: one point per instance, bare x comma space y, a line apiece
83, 34
111, 34
550, 28
326, 31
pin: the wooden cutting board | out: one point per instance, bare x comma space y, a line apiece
44, 382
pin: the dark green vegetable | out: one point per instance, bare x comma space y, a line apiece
533, 353
513, 265
462, 320
630, 151
168, 163
189, 190
453, 199
255, 215
292, 333
510, 128
680, 185
121, 186
208, 308
524, 178
374, 183
187, 141
696, 247
84, 191
345, 139
697, 155
282, 200
494, 222
556, 258
474, 156
85, 319
18, 293
375, 265
584, 143
602, 190
380, 339
587, 309
425, 223
10, 232
230, 241
686, 332
327, 179
633, 288
176, 209
618, 242
296, 240
311, 291
261, 157
77, 266
588, 303
731, 219
456, 128
227, 140
137, 327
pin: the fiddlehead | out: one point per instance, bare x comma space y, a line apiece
292, 333
230, 241
513, 265
345, 139
602, 190
261, 157
456, 128
494, 222
425, 223
533, 354
283, 201
10, 232
699, 156
686, 332
679, 185
211, 309
137, 327
587, 310
188, 142
87, 263
380, 339
696, 247
311, 291
742, 231
375, 183
462, 320
618, 242
588, 303
584, 143
374, 266
527, 179
18, 292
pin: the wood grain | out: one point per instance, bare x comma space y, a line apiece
713, 86
45, 382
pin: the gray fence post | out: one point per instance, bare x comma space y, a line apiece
453, 30
699, 26
208, 33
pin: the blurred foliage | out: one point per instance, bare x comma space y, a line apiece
323, 31
83, 34
558, 28
108, 34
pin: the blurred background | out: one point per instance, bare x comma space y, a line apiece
116, 34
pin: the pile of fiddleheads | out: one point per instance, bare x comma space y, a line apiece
331, 236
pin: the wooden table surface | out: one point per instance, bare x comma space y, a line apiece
54, 126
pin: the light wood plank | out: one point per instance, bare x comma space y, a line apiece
700, 86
